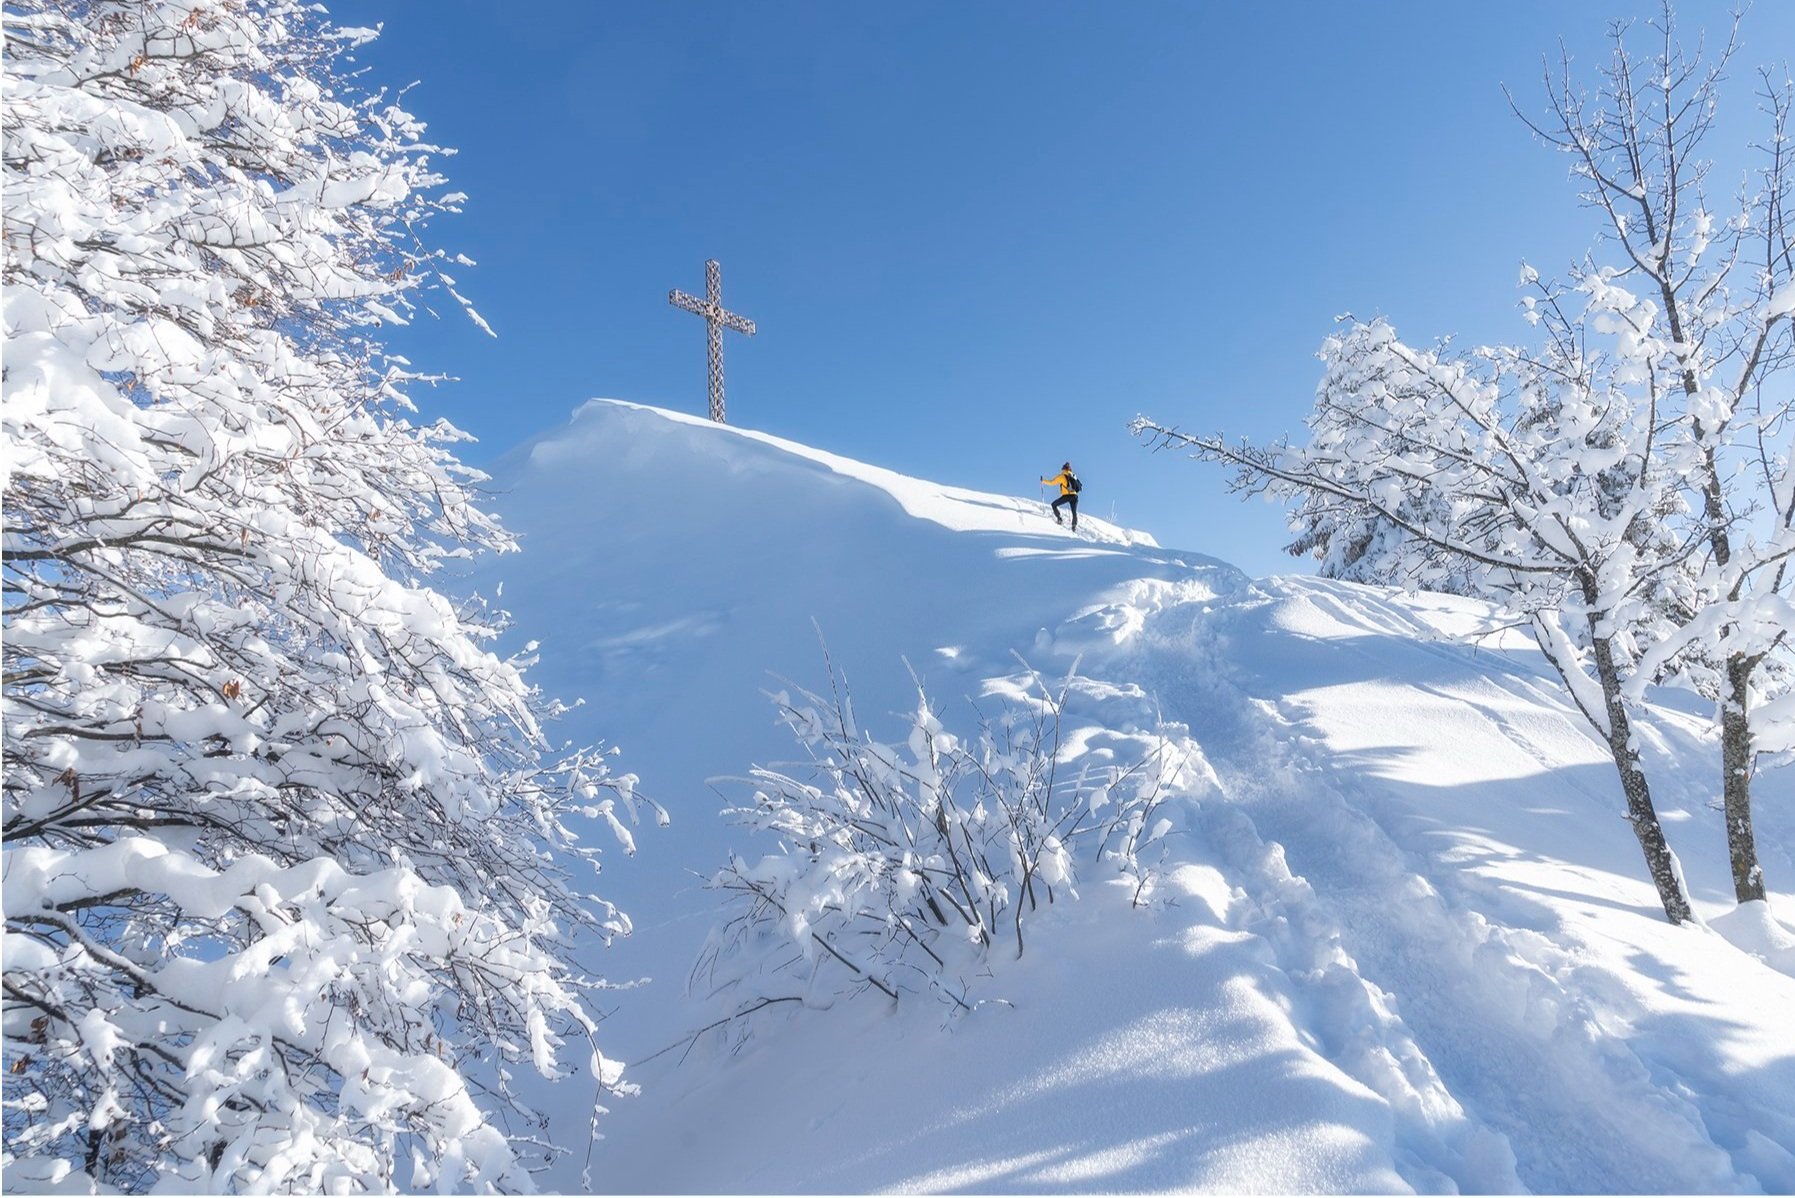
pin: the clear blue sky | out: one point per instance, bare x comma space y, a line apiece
979, 238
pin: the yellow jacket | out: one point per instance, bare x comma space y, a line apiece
1064, 479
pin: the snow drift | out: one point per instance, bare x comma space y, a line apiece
1403, 941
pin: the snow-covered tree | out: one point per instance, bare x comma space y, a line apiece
1534, 478
1702, 299
288, 876
1622, 485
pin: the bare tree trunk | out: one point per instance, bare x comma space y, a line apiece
1641, 812
1644, 818
1736, 765
1736, 762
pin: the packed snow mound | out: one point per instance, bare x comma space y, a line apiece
676, 569
1404, 940
762, 465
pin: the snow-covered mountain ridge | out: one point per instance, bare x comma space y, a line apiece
1405, 941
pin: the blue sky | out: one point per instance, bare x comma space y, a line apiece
978, 238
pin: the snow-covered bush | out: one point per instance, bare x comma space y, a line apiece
286, 856
903, 867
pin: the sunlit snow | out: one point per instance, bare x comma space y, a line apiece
1405, 941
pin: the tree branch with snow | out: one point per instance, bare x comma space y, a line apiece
291, 866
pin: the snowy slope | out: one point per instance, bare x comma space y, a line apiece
1408, 942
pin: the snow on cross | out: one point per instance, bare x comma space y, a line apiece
717, 318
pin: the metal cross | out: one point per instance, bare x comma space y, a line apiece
711, 308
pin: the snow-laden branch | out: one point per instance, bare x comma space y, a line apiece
291, 872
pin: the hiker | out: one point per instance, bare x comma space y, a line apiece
1069, 489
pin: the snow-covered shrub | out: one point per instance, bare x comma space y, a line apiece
903, 867
286, 857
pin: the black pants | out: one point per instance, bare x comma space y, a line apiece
1068, 498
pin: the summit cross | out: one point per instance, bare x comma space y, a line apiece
718, 319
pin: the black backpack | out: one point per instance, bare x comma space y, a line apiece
1072, 483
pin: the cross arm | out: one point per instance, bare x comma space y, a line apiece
711, 311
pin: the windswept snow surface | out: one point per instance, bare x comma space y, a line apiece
1406, 943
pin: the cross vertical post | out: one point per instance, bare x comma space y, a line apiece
716, 318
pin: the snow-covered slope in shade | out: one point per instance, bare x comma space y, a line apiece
1407, 942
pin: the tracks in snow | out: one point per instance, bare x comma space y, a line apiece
1502, 1036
